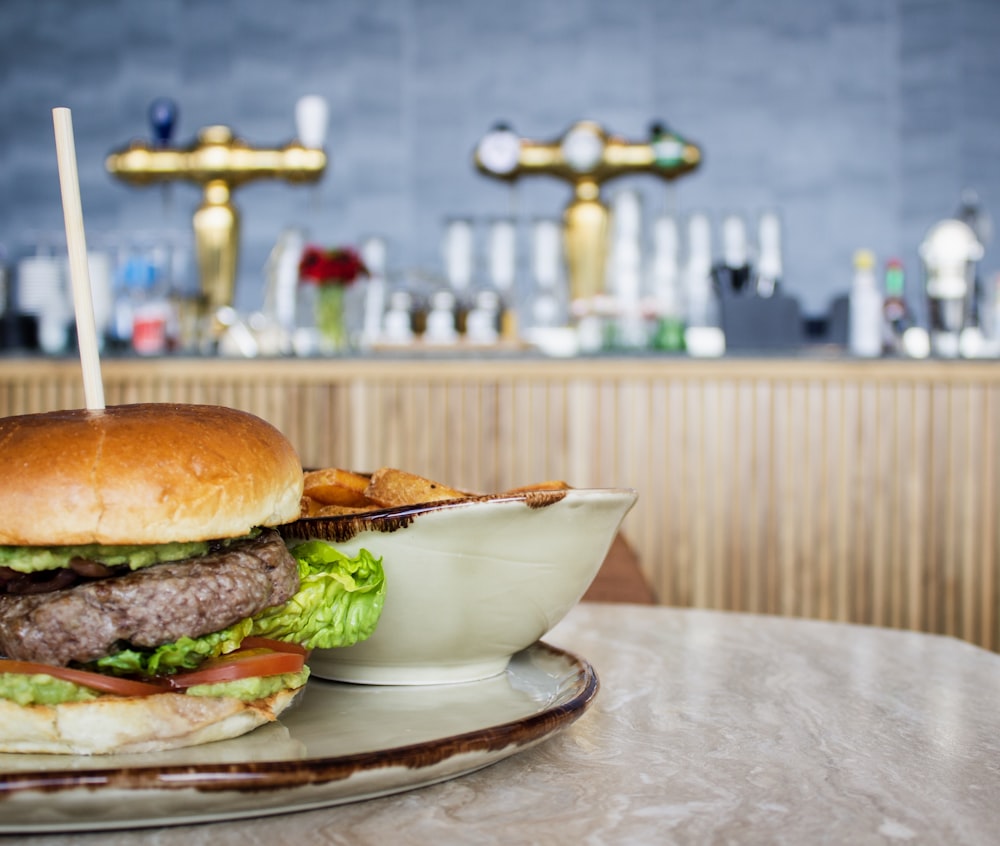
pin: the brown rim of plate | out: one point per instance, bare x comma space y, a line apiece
269, 775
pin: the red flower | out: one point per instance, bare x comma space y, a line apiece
339, 266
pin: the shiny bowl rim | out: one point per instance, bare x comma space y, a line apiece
400, 516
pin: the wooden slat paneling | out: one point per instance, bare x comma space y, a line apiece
861, 491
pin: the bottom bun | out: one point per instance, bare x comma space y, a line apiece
123, 725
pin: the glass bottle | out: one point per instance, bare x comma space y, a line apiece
667, 302
865, 324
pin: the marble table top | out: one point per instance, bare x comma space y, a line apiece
709, 728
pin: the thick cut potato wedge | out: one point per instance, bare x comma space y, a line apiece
332, 492
333, 486
389, 487
552, 485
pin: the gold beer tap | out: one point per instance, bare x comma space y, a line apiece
220, 162
586, 156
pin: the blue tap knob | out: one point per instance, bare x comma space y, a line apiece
163, 119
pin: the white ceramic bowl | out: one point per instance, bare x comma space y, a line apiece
468, 582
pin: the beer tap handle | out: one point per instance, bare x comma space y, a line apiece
311, 116
163, 120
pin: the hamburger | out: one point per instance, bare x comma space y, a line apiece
146, 600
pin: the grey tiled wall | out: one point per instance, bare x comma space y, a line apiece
860, 121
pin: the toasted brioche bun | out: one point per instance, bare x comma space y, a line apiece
143, 474
125, 725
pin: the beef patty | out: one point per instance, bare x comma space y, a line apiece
149, 607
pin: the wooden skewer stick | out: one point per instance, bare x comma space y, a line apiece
79, 271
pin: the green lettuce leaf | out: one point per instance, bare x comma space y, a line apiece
338, 603
185, 653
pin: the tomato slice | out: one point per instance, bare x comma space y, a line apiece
241, 664
256, 656
94, 681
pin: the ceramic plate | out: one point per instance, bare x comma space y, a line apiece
339, 743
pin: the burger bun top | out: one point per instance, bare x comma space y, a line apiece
143, 474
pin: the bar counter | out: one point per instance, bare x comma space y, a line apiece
709, 727
827, 488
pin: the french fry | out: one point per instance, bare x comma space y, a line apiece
341, 510
552, 485
309, 507
333, 486
390, 487
333, 492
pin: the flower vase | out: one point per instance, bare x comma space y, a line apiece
330, 318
